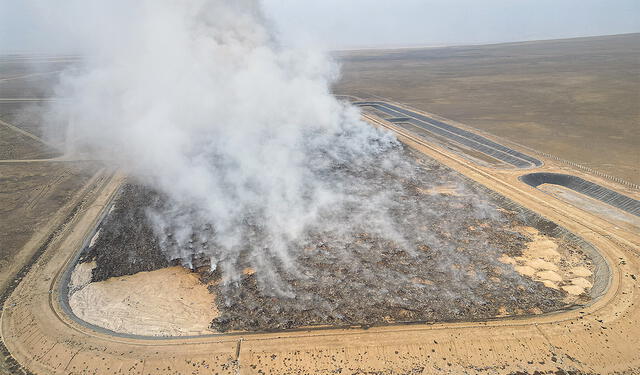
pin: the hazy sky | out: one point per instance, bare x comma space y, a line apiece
370, 23
364, 23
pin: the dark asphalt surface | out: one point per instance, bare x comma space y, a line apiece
466, 138
585, 187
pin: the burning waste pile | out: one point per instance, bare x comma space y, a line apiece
293, 210
445, 251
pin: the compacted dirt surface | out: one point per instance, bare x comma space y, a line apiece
466, 254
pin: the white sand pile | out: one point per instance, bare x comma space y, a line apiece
166, 302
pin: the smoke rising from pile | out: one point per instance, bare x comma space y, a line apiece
198, 100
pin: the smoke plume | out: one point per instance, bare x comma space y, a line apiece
198, 100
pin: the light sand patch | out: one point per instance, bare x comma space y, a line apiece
167, 302
580, 271
525, 270
441, 190
542, 247
544, 261
541, 264
418, 280
550, 284
81, 276
528, 230
574, 290
549, 275
95, 238
536, 311
507, 260
581, 282
502, 311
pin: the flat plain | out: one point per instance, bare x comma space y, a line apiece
37, 190
577, 99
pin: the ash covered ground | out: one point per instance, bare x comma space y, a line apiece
442, 264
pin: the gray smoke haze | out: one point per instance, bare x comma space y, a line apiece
198, 100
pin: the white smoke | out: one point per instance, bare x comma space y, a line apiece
199, 100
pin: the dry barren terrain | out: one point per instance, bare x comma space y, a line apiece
37, 190
578, 99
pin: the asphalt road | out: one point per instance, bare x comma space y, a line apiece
455, 134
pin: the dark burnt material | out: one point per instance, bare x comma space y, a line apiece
444, 268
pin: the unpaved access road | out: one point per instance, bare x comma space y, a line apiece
604, 337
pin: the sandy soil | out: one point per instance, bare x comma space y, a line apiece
165, 302
555, 267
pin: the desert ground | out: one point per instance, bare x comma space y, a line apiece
577, 99
70, 308
38, 190
35, 183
